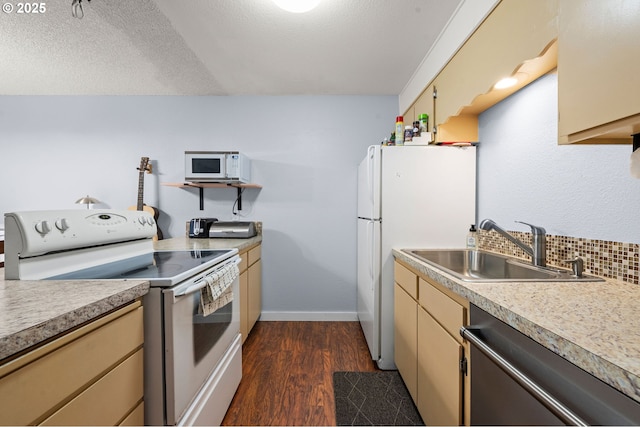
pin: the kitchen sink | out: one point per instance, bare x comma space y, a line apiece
481, 266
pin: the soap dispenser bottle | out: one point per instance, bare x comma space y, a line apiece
472, 238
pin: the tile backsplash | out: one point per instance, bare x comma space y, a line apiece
602, 258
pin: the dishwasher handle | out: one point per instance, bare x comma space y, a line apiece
560, 410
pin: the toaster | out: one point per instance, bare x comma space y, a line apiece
199, 227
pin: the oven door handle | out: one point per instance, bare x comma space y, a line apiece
555, 406
201, 283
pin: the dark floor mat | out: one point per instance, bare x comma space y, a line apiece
373, 398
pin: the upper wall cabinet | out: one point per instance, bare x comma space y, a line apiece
598, 71
516, 31
513, 38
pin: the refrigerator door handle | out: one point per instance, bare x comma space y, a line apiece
370, 227
370, 161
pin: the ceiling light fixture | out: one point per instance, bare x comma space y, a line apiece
505, 83
297, 6
76, 9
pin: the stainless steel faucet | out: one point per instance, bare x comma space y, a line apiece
537, 252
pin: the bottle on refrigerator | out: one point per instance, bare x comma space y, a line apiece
399, 130
424, 122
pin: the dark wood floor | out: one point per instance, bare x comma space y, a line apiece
287, 372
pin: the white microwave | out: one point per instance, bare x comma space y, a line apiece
216, 166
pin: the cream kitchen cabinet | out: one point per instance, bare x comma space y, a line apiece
92, 375
460, 128
409, 116
439, 378
441, 356
405, 311
431, 356
515, 39
250, 289
598, 63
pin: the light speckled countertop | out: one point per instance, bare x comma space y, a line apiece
594, 325
32, 311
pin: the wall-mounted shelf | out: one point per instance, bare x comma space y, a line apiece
202, 185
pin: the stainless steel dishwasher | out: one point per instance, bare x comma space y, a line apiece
516, 381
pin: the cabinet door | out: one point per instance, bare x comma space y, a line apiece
598, 63
122, 388
34, 384
439, 376
244, 305
409, 116
406, 338
515, 31
254, 308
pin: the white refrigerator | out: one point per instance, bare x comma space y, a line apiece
408, 197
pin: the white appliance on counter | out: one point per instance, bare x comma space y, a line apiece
192, 355
408, 197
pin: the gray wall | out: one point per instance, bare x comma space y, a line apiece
305, 152
578, 191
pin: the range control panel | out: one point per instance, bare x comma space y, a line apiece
33, 233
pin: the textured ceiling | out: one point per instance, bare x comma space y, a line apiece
218, 47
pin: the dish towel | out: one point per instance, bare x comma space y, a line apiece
219, 292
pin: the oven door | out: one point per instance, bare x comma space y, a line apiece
194, 345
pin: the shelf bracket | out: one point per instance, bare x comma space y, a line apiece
201, 194
201, 186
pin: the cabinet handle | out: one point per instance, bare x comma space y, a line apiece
560, 410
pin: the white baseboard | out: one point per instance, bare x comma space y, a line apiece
306, 316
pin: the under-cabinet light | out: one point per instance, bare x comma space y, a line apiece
505, 83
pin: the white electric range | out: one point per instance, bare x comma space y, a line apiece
193, 357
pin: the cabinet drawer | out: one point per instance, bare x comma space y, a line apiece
108, 400
446, 311
254, 254
136, 417
36, 388
406, 279
244, 263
